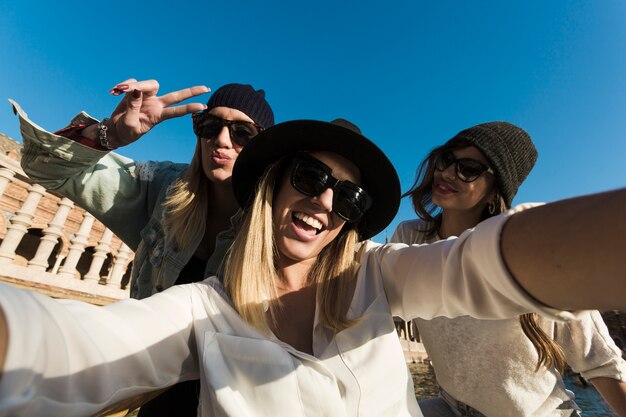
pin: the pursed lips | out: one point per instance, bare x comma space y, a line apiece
220, 156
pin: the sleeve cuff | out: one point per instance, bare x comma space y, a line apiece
74, 132
34, 136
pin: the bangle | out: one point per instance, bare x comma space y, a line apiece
102, 134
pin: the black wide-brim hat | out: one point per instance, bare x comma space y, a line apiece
378, 176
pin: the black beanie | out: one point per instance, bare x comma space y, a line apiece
246, 99
509, 149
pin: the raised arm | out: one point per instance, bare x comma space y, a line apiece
571, 254
141, 109
108, 185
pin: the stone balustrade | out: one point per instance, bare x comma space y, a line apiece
51, 245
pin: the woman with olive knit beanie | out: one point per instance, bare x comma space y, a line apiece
498, 367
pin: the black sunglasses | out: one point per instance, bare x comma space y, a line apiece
467, 170
311, 177
208, 126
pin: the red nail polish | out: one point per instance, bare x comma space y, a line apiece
118, 89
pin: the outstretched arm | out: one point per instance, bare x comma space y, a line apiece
571, 254
99, 356
141, 109
613, 392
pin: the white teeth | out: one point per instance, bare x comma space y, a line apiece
309, 220
444, 187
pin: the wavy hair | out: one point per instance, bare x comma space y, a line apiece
549, 352
187, 200
421, 192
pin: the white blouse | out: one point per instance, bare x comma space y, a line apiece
67, 358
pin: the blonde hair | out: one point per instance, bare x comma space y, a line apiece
250, 276
186, 203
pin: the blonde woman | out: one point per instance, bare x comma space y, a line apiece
176, 217
499, 367
302, 323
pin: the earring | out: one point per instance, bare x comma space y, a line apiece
491, 206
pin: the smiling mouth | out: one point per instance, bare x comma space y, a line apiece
444, 188
307, 222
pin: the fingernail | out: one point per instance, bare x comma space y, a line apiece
118, 89
136, 93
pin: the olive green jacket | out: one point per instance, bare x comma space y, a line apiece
125, 195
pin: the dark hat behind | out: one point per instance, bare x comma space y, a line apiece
246, 99
509, 149
379, 178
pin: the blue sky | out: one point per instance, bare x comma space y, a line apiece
411, 74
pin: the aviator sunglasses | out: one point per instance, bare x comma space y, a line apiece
311, 177
208, 126
467, 170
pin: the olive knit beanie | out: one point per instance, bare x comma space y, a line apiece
509, 149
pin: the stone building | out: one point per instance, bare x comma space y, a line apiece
50, 245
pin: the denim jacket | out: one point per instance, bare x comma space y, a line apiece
125, 195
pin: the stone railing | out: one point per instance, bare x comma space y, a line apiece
53, 246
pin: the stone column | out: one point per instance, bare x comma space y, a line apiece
51, 235
57, 264
6, 175
79, 242
119, 266
103, 248
19, 224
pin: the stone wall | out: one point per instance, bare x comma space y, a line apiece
49, 244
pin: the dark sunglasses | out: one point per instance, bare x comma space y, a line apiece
208, 126
311, 177
467, 170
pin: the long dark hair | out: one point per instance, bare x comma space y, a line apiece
548, 351
421, 192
